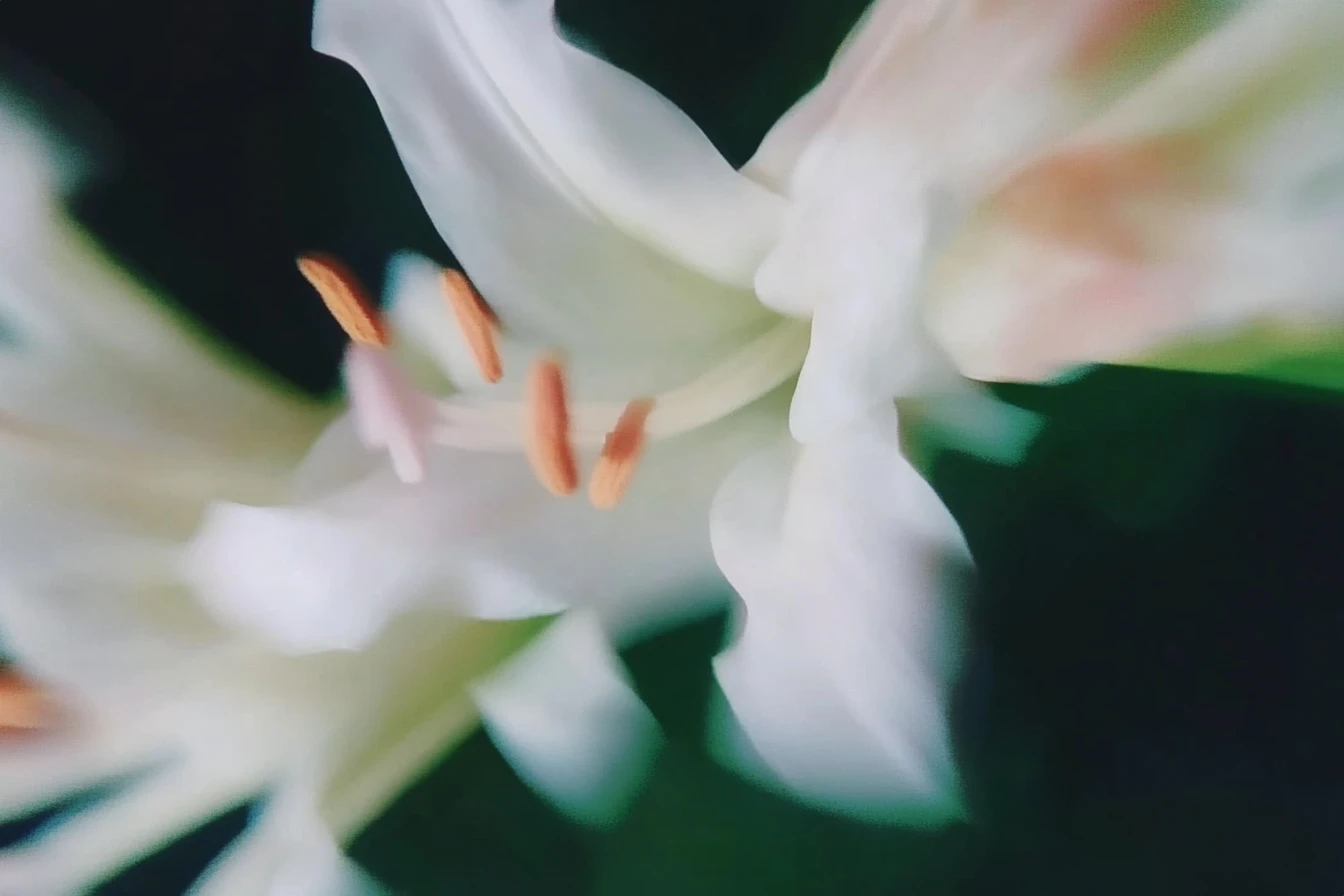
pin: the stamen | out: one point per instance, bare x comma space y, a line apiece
548, 442
23, 705
477, 322
476, 423
345, 297
620, 455
387, 411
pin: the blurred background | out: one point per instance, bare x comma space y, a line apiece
1154, 699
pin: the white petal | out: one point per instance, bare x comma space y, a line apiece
108, 837
1206, 206
840, 677
581, 203
90, 354
431, 346
927, 87
116, 425
479, 537
39, 773
564, 714
413, 706
868, 341
88, 585
286, 851
929, 104
310, 579
973, 421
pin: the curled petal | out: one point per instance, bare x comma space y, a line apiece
541, 165
838, 683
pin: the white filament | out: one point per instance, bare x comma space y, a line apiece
762, 365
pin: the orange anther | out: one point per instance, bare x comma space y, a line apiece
549, 448
23, 705
345, 297
620, 455
477, 322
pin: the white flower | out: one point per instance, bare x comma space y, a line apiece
117, 426
1049, 183
616, 249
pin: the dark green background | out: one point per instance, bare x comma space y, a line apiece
1154, 701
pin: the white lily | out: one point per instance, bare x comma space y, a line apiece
117, 426
616, 250
1052, 183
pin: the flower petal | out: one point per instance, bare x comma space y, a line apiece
88, 553
957, 89
338, 735
432, 348
288, 851
565, 716
309, 572
101, 841
839, 679
479, 537
1206, 206
928, 105
868, 342
413, 706
91, 353
117, 424
581, 203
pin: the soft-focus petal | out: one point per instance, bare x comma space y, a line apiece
971, 420
929, 104
116, 425
846, 562
335, 736
565, 716
541, 164
91, 525
431, 346
413, 706
409, 707
481, 537
288, 852
88, 351
313, 573
1206, 207
954, 90
104, 840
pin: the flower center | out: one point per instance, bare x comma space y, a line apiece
548, 424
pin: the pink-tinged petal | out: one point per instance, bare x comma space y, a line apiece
954, 90
1205, 204
928, 106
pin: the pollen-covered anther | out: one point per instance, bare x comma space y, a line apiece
477, 323
345, 297
549, 447
23, 705
615, 467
